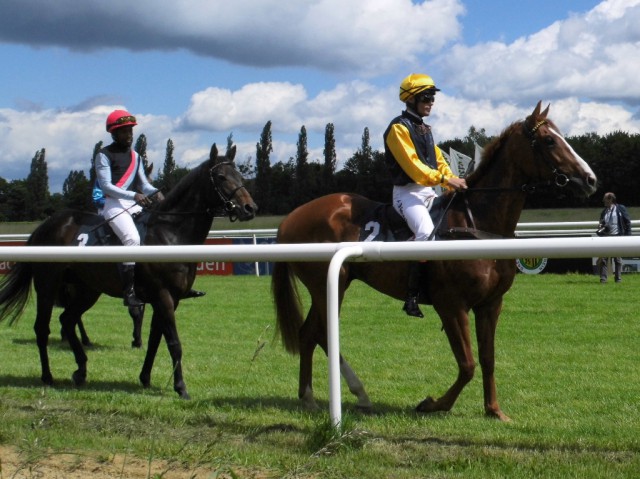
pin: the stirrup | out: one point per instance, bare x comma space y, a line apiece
411, 307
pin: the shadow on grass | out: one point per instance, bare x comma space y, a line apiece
57, 343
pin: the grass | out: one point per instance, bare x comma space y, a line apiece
566, 368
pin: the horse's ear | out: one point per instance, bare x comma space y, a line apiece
213, 154
536, 110
546, 111
231, 153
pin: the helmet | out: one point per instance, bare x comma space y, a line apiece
414, 84
119, 118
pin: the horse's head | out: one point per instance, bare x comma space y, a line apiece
228, 185
561, 163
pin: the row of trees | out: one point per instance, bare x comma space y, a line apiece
280, 187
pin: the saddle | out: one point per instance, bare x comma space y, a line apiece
96, 231
383, 223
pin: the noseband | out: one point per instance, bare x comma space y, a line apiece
227, 200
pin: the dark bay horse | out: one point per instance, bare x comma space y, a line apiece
184, 217
528, 153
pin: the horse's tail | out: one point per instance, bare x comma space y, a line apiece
15, 289
288, 306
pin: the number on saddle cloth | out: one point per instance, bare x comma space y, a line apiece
97, 232
384, 223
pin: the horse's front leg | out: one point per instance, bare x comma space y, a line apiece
486, 323
456, 326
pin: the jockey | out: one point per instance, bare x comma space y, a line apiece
120, 175
416, 165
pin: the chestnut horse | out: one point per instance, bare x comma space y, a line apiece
184, 217
527, 154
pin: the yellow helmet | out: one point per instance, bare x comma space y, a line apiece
414, 84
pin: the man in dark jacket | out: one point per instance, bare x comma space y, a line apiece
614, 221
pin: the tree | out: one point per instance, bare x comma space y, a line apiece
141, 149
167, 178
37, 184
262, 189
302, 185
76, 192
330, 159
229, 142
92, 170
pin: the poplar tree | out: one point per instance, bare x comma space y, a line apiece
262, 190
37, 184
330, 159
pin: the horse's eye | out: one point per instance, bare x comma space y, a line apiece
549, 141
221, 178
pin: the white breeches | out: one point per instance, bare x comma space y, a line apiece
413, 202
122, 222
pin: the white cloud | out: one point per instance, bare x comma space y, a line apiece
365, 36
591, 56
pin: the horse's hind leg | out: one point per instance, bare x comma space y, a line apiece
45, 293
72, 317
312, 333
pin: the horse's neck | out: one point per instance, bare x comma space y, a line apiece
498, 202
186, 218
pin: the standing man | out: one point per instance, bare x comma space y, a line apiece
120, 175
614, 221
416, 165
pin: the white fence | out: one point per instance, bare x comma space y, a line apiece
336, 253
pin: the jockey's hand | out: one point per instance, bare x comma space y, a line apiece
142, 200
457, 183
158, 196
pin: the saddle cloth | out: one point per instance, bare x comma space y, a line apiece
97, 232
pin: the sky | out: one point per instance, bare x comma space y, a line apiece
197, 71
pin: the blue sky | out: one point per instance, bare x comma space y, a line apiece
195, 71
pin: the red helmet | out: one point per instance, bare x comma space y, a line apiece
118, 118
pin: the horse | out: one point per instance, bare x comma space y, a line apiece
528, 154
184, 217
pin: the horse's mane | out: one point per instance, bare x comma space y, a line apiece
182, 187
491, 151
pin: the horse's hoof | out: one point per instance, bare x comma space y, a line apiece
47, 379
136, 344
427, 406
184, 395
498, 414
79, 379
146, 381
87, 344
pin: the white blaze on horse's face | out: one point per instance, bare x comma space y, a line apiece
587, 176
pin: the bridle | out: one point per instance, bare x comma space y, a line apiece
227, 199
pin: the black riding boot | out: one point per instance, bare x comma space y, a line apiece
413, 289
127, 273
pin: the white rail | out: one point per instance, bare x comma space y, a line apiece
337, 253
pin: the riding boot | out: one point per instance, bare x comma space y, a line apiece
127, 273
413, 289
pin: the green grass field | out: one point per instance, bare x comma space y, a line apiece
566, 369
